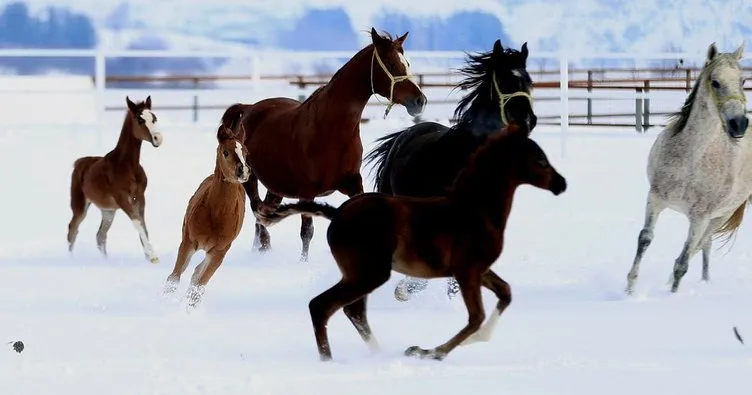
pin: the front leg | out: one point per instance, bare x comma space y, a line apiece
470, 284
262, 239
131, 206
306, 234
351, 185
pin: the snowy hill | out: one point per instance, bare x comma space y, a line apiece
574, 25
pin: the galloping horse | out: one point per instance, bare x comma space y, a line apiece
214, 215
424, 159
311, 149
117, 180
458, 234
700, 165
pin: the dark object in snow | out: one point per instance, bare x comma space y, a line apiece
738, 336
18, 346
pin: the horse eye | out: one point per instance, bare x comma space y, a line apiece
225, 153
715, 84
543, 162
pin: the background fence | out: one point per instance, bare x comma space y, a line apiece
632, 96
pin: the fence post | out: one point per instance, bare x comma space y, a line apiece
100, 83
589, 99
646, 106
195, 100
689, 80
564, 100
638, 110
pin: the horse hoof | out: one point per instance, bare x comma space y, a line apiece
401, 294
422, 353
154, 260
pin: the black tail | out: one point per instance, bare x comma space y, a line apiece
283, 211
233, 114
379, 154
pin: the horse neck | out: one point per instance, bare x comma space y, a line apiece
480, 188
128, 148
346, 95
224, 191
703, 118
483, 117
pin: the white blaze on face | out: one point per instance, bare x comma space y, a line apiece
151, 125
404, 62
241, 158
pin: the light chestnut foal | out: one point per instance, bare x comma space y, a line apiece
214, 215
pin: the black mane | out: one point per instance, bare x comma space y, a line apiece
478, 72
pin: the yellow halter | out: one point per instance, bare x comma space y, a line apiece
393, 79
720, 101
505, 97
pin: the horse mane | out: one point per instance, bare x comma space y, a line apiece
678, 120
478, 71
339, 71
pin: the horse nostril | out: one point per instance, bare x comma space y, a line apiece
733, 125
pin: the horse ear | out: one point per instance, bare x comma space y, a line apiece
376, 38
739, 51
497, 48
148, 102
712, 52
131, 105
223, 134
523, 50
400, 40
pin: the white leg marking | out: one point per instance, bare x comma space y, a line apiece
148, 249
373, 344
486, 330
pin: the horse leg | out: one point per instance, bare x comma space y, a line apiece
697, 229
470, 284
350, 291
79, 206
409, 286
707, 243
356, 312
262, 238
107, 217
133, 209
653, 209
185, 253
306, 234
503, 292
203, 273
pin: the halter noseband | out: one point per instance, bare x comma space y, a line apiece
505, 97
393, 79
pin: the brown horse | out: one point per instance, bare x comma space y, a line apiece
310, 149
460, 234
214, 215
116, 180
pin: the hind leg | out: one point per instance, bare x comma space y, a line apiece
79, 206
185, 253
356, 312
263, 240
653, 209
359, 279
306, 234
503, 292
707, 244
107, 217
697, 229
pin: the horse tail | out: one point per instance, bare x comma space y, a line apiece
378, 156
731, 226
233, 114
306, 207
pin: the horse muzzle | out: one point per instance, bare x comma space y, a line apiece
416, 106
737, 126
243, 173
558, 185
156, 139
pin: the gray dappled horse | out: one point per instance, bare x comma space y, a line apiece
700, 164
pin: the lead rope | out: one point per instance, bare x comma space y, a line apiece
394, 80
505, 97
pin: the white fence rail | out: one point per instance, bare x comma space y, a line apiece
256, 61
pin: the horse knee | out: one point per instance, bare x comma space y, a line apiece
645, 237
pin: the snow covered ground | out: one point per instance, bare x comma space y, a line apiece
95, 326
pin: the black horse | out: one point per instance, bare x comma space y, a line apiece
424, 159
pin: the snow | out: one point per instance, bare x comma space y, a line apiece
93, 326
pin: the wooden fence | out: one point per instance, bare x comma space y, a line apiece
641, 81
